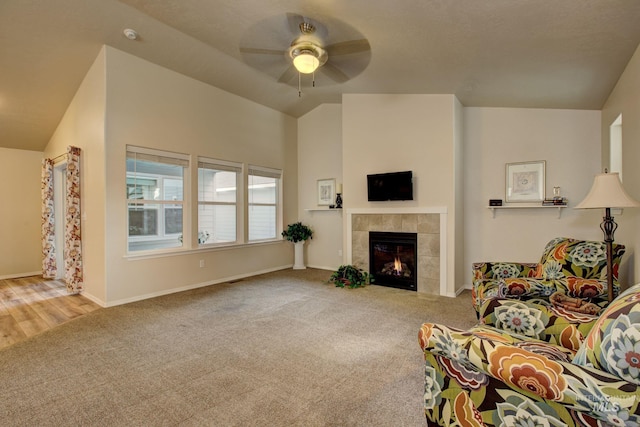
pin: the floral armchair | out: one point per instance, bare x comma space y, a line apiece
575, 267
536, 365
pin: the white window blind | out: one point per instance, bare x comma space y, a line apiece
264, 202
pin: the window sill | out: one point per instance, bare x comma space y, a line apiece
204, 248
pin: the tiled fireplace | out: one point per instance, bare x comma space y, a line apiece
393, 259
426, 226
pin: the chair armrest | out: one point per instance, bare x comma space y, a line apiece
537, 370
536, 320
488, 276
502, 270
597, 393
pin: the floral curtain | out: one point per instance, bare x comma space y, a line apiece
49, 268
72, 235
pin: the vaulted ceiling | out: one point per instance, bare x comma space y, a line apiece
496, 53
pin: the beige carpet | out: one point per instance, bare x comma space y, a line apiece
279, 349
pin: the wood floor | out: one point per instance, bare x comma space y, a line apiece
31, 305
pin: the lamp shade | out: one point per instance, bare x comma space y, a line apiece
607, 192
306, 62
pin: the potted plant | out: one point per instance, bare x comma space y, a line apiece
351, 276
298, 233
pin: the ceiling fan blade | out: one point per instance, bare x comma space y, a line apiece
334, 73
288, 74
294, 21
351, 46
261, 51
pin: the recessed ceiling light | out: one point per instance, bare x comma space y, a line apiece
130, 34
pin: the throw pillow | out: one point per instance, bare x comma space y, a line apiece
613, 344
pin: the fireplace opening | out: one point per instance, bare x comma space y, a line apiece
392, 259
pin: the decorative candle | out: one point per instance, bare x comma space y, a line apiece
339, 189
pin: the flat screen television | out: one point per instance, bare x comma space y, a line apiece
390, 186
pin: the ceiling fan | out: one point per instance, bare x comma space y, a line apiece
309, 51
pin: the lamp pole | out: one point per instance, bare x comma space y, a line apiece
608, 227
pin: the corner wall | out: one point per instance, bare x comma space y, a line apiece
83, 126
625, 100
320, 157
150, 106
390, 133
569, 142
20, 219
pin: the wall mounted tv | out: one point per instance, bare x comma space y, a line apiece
390, 186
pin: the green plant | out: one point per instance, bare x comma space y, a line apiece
297, 232
351, 276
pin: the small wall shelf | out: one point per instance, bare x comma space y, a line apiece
559, 208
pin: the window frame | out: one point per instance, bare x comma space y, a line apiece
223, 165
262, 171
162, 157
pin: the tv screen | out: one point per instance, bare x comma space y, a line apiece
390, 186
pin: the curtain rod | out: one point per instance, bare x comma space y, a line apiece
58, 156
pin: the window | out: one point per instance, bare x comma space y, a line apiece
264, 203
155, 198
615, 146
218, 201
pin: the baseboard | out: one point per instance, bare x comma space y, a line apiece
93, 299
18, 275
321, 267
193, 286
464, 288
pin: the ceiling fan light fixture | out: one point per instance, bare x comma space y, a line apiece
306, 62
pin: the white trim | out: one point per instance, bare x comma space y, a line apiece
28, 274
322, 267
204, 248
193, 286
441, 210
156, 152
444, 290
93, 299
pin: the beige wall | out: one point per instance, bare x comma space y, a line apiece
625, 100
569, 141
320, 157
20, 248
83, 126
388, 133
153, 107
459, 209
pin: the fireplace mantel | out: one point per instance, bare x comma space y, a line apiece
404, 219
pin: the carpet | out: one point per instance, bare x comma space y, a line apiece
279, 349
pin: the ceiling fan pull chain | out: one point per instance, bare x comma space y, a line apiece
299, 88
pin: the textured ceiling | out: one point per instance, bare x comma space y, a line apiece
499, 53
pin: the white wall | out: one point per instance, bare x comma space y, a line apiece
153, 107
83, 126
389, 133
20, 219
569, 141
320, 157
625, 100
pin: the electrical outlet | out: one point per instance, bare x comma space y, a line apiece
201, 263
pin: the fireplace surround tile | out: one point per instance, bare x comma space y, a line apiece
427, 226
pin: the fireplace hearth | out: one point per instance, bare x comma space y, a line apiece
393, 259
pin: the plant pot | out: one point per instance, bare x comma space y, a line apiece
298, 255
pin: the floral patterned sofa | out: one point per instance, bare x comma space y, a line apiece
575, 267
534, 364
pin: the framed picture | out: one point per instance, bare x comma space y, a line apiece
326, 191
525, 181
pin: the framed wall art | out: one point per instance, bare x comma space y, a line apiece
525, 181
326, 191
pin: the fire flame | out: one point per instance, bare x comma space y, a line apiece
397, 265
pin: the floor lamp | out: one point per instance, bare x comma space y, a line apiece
608, 193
